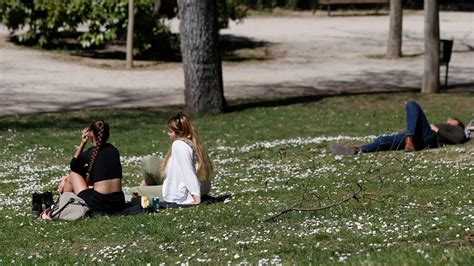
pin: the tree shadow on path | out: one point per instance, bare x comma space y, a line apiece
365, 83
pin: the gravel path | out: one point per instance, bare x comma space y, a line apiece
321, 55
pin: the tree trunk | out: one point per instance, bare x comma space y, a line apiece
394, 45
431, 70
156, 8
129, 60
204, 90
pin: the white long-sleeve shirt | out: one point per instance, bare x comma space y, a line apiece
181, 180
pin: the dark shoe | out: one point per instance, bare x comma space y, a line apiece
36, 203
48, 199
344, 150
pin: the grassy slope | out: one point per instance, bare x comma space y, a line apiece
268, 158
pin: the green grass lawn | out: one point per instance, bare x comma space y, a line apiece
269, 158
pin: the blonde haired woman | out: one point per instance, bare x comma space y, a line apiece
184, 175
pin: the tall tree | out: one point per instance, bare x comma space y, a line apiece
394, 45
131, 18
204, 90
431, 68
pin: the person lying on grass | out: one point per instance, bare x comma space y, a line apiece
419, 135
184, 174
98, 167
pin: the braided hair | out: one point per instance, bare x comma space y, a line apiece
100, 129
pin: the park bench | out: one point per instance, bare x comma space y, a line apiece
328, 3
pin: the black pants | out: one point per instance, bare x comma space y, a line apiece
108, 203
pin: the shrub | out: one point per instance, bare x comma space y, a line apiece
96, 22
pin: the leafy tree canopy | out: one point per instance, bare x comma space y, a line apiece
96, 22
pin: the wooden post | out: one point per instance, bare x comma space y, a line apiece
431, 68
130, 34
394, 45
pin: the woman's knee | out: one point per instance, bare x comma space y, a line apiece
73, 175
151, 170
77, 182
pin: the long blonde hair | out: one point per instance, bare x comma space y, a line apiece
181, 125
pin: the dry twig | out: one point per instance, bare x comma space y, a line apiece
294, 207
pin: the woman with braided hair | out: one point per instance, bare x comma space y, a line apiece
96, 174
183, 177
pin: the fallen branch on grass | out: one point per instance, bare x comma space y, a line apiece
356, 195
294, 207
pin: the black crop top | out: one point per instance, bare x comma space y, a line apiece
107, 164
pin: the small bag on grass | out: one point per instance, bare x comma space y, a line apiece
69, 207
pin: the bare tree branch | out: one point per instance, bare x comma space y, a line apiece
294, 206
272, 217
319, 198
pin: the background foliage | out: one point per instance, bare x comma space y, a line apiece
96, 22
89, 24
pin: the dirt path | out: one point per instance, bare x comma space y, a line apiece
321, 55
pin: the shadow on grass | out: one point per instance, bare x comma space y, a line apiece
238, 106
74, 120
241, 105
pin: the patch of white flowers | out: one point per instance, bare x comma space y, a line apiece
250, 178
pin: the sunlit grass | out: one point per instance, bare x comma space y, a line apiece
268, 158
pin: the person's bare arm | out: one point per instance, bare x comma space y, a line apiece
80, 149
84, 138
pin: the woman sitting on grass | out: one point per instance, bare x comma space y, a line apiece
99, 167
419, 135
184, 175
